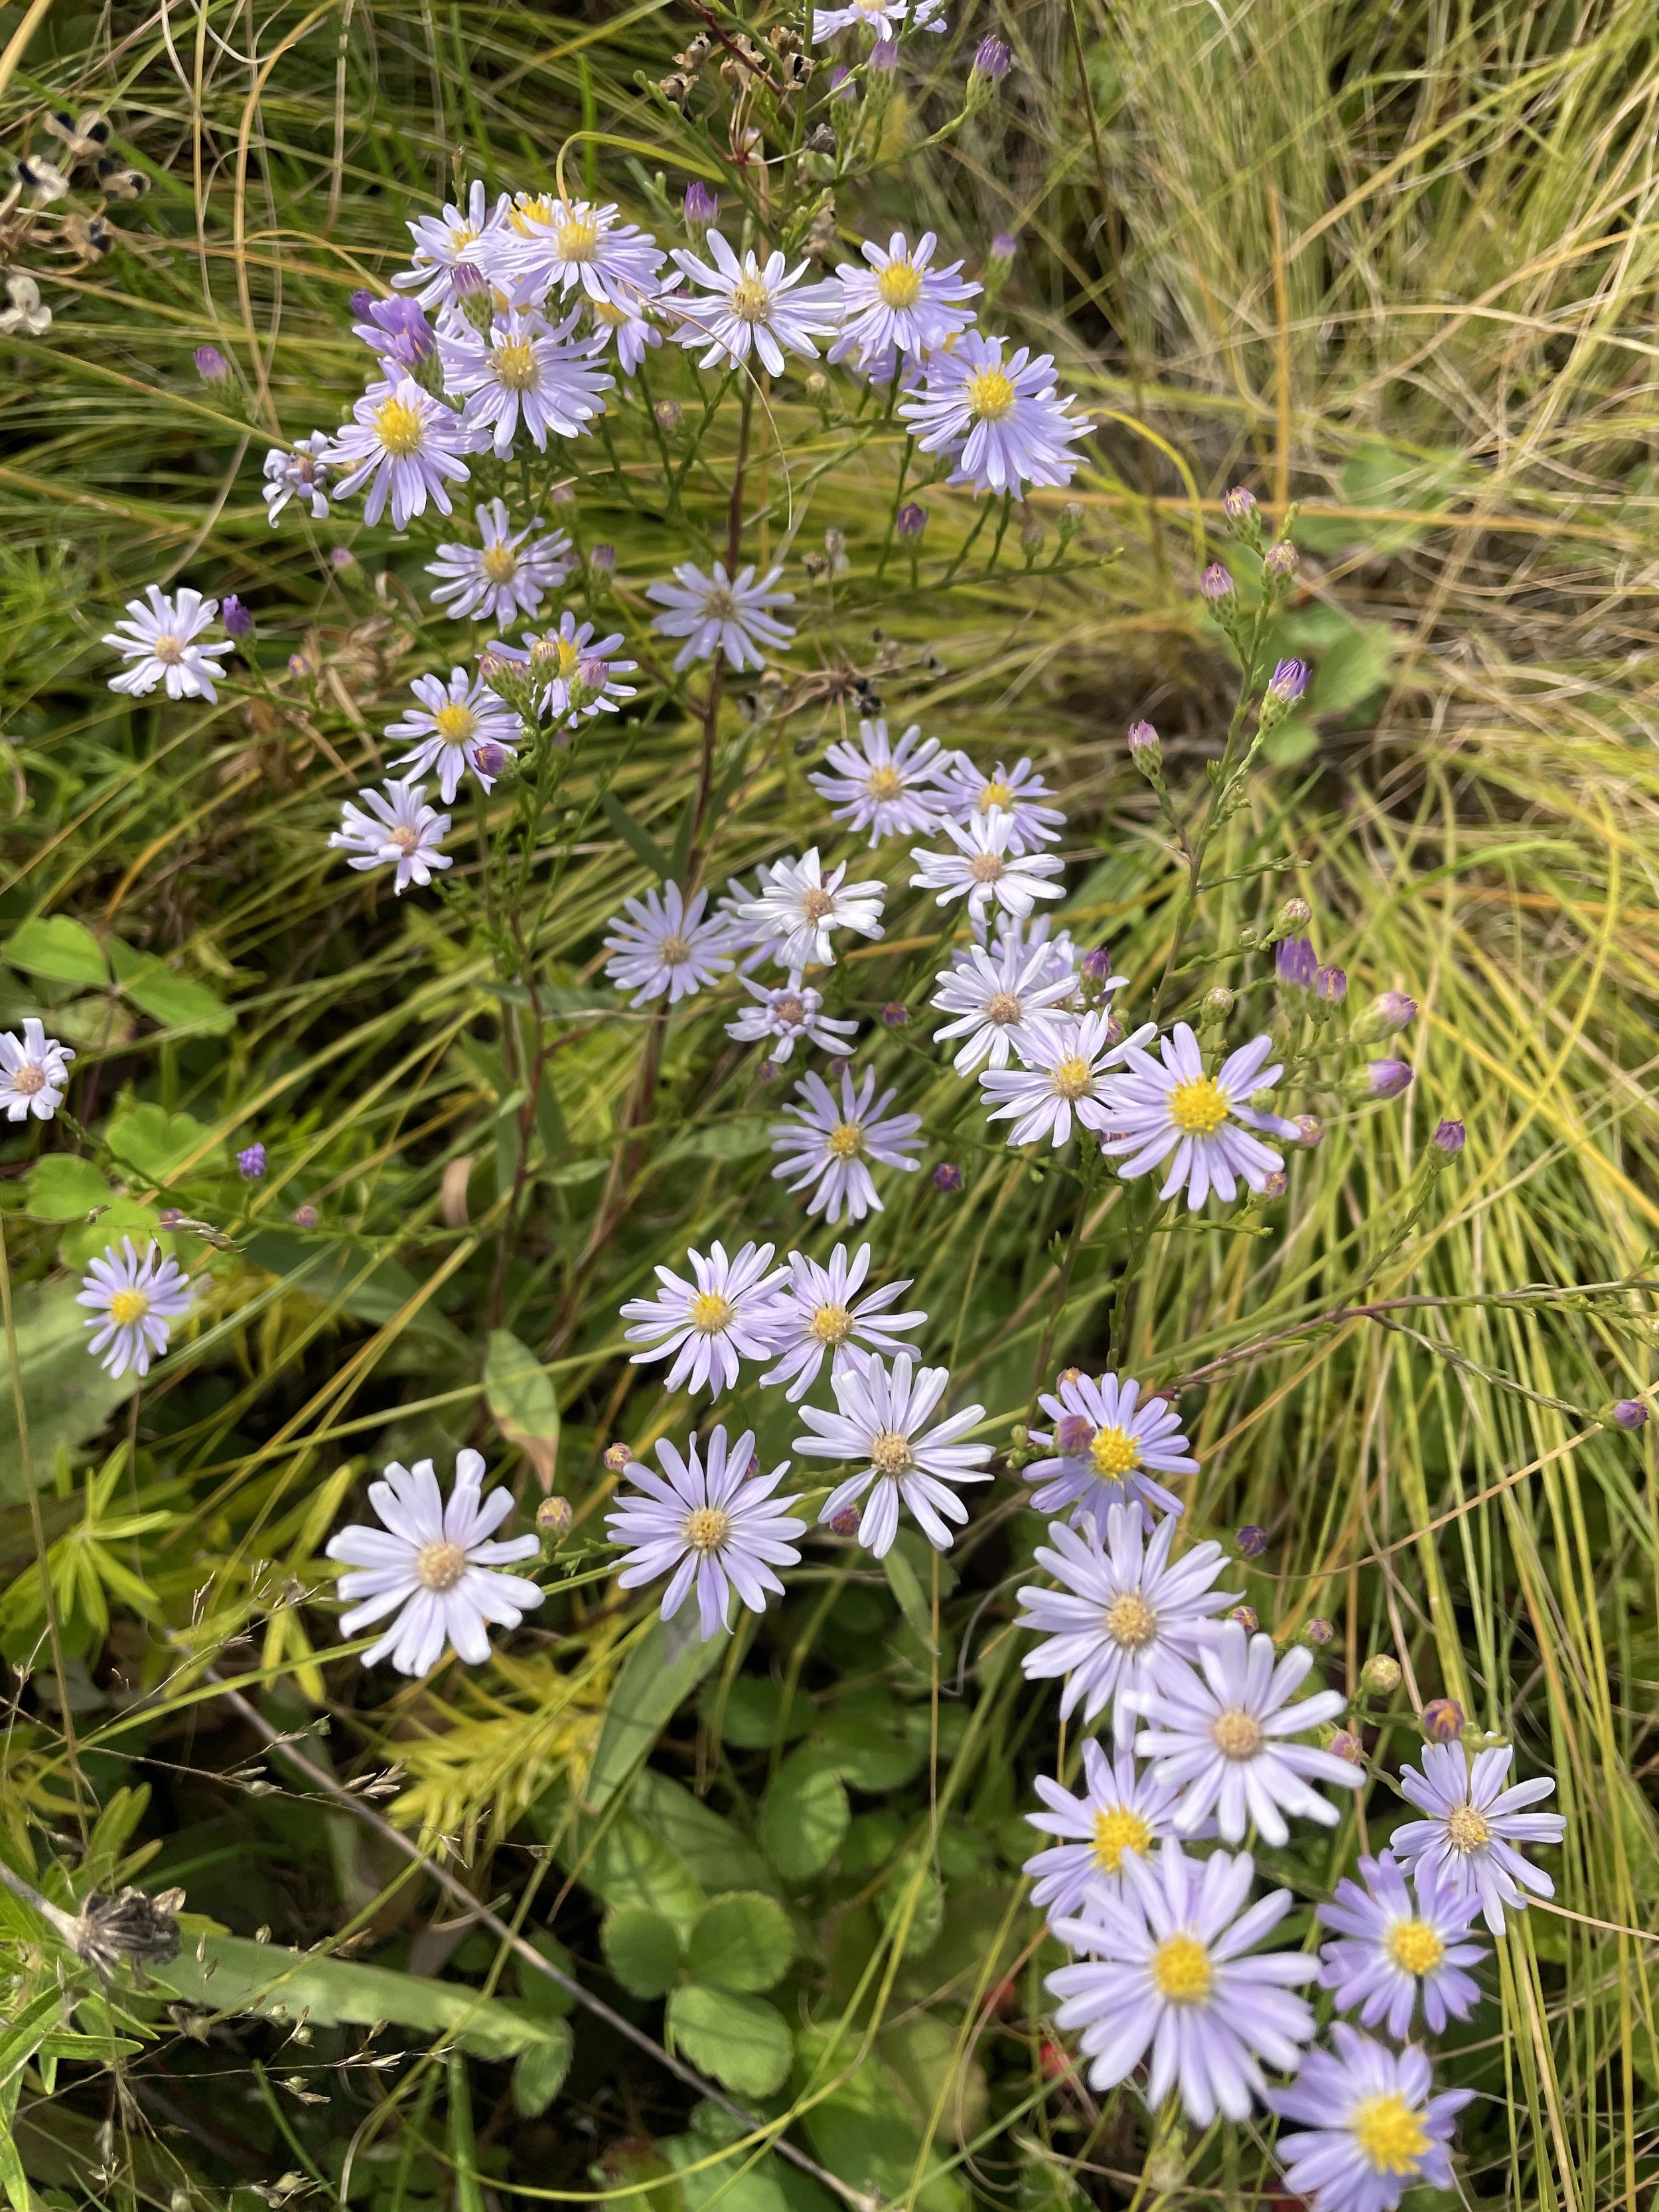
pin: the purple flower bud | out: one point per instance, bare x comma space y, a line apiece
361, 304
1310, 1130
467, 281
1280, 561
1387, 1078
884, 56
1073, 1434
1239, 505
211, 364
1319, 1630
554, 1516
896, 1015
603, 559
1096, 964
841, 86
1274, 1184
1245, 1615
1331, 985
398, 331
669, 414
846, 1523
593, 673
304, 1216
616, 1458
1216, 583
171, 1216
1250, 1541
1144, 750
1295, 913
993, 60
490, 758
1004, 247
1296, 963
1631, 1413
1388, 1014
1442, 1720
911, 520
298, 666
768, 1070
1289, 682
234, 616
947, 1177
699, 206
250, 1163
1114, 1031
1449, 1137
1345, 1744
340, 556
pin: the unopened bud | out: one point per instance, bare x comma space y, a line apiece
1274, 1184
554, 1516
699, 206
211, 364
1245, 1615
817, 387
1345, 1744
1296, 963
1239, 506
473, 295
947, 1177
1442, 1720
236, 618
1219, 1002
668, 413
1071, 519
1280, 562
1216, 584
846, 1523
1310, 1130
1295, 915
910, 520
616, 1457
1331, 986
1388, 1014
1250, 1541
1164, 2172
1381, 1673
602, 561
1288, 683
304, 1216
1073, 1434
1631, 1413
992, 59
895, 1014
1032, 532
884, 56
1097, 966
1319, 1630
1144, 749
1385, 1079
1448, 1137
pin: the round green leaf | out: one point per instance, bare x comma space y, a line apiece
805, 1816
743, 2042
742, 1941
642, 1948
62, 1186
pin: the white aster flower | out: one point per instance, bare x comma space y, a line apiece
1122, 1813
664, 944
899, 302
818, 1310
556, 245
884, 19
718, 613
1067, 1057
881, 1419
998, 416
1108, 1442
135, 1303
747, 307
1000, 999
457, 725
505, 574
410, 444
525, 370
434, 1566
713, 1523
783, 1013
299, 471
1474, 1825
708, 1325
800, 905
33, 1072
1019, 791
468, 234
397, 830
985, 867
159, 641
885, 788
834, 1141
1154, 1111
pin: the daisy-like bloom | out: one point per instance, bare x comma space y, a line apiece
33, 1072
468, 234
586, 679
818, 1310
664, 944
1019, 791
408, 443
135, 1303
397, 830
785, 1012
718, 613
885, 788
1223, 1736
881, 1419
715, 1524
299, 471
434, 1566
1394, 1946
1204, 1120
1066, 1059
558, 246
1125, 1616
800, 905
883, 19
1108, 1442
1122, 1813
726, 1314
448, 727
985, 867
1000, 418
1168, 1967
747, 306
1000, 999
834, 1141
1373, 2130
159, 641
526, 369
627, 321
1474, 1825
505, 574
900, 302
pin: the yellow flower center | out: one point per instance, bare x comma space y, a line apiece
1414, 1945
989, 395
846, 1140
454, 723
1115, 1452
986, 867
463, 234
831, 1324
1131, 1622
751, 300
440, 1566
398, 426
570, 655
1071, 1077
791, 1012
1181, 1972
1236, 1734
406, 839
577, 238
816, 904
168, 648
1002, 1008
890, 1453
127, 1307
1117, 1829
1198, 1106
883, 783
1391, 2135
608, 312
1466, 1828
709, 1312
705, 1529
675, 950
514, 364
899, 284
534, 211
29, 1079
501, 564
996, 793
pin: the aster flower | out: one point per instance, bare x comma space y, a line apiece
754, 939
468, 234
1474, 1824
999, 417
525, 370
1223, 1734
587, 677
1019, 791
900, 302
450, 726
505, 574
713, 1522
1125, 1617
396, 830
829, 1151
800, 905
395, 330
818, 1310
627, 323
785, 1012
1122, 1813
1000, 999
135, 1303
1108, 1443
1168, 1967
664, 944
1204, 1120
159, 641
1394, 1946
985, 867
1373, 2128
884, 19
1066, 1058
750, 307
299, 471
1027, 933
560, 245
709, 1324
408, 443
718, 613
33, 1072
885, 788
881, 1419
434, 1566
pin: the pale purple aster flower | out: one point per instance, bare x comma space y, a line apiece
709, 1324
747, 307
1222, 1729
627, 322
1122, 1813
159, 641
1474, 1825
1108, 1442
558, 245
784, 1012
211, 364
713, 1523
467, 235
900, 302
525, 370
884, 18
1204, 1120
1066, 1059
800, 905
250, 1163
999, 418
1167, 1967
33, 1072
1127, 1616
299, 471
1019, 791
396, 330
885, 788
410, 444
1026, 933
434, 1566
718, 613
1000, 999
829, 1151
755, 940
818, 1310
985, 869
135, 1303
571, 656
448, 728
1373, 2129
664, 944
504, 575
397, 830
1394, 1946
881, 1419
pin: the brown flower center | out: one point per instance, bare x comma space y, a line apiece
1002, 1009
675, 952
986, 867
815, 904
30, 1078
1236, 1734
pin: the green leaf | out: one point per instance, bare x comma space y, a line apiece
538, 2076
346, 1276
521, 1402
751, 1715
717, 1856
62, 1187
1291, 742
155, 1143
62, 949
623, 1863
67, 1396
864, 1752
742, 1941
743, 2042
1349, 671
638, 840
803, 1816
642, 1948
121, 1217
648, 1692
733, 1139
174, 1000
913, 1601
